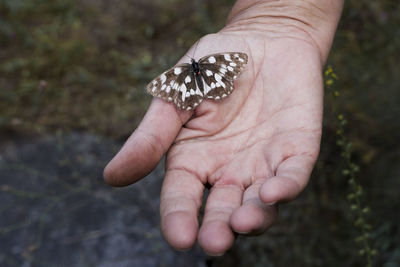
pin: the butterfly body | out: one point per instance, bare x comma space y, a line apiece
195, 68
188, 84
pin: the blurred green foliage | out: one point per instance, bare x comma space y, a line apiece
83, 65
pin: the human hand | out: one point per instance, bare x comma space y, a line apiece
253, 150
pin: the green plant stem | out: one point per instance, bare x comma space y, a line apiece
355, 197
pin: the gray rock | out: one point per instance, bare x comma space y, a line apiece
56, 210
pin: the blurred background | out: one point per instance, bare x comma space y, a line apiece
72, 79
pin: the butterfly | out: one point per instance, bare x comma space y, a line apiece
188, 84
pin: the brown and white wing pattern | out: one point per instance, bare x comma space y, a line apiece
165, 86
219, 71
177, 85
188, 84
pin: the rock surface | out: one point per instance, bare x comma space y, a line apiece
56, 210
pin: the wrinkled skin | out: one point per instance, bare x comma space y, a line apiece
254, 149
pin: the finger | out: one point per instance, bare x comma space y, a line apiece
146, 146
253, 216
215, 235
181, 199
291, 178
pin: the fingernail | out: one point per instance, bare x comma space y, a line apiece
216, 254
242, 233
182, 250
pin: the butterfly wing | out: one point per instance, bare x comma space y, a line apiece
219, 72
177, 85
164, 86
189, 96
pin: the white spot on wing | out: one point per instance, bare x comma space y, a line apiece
175, 86
211, 59
177, 71
188, 79
209, 72
198, 92
192, 92
218, 78
230, 68
233, 64
227, 57
168, 89
183, 90
206, 88
163, 78
163, 87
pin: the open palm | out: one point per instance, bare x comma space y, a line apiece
253, 149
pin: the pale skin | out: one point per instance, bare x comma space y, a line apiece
254, 149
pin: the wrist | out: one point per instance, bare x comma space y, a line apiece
312, 21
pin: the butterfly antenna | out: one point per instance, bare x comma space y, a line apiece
197, 43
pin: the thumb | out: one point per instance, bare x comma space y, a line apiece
147, 144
